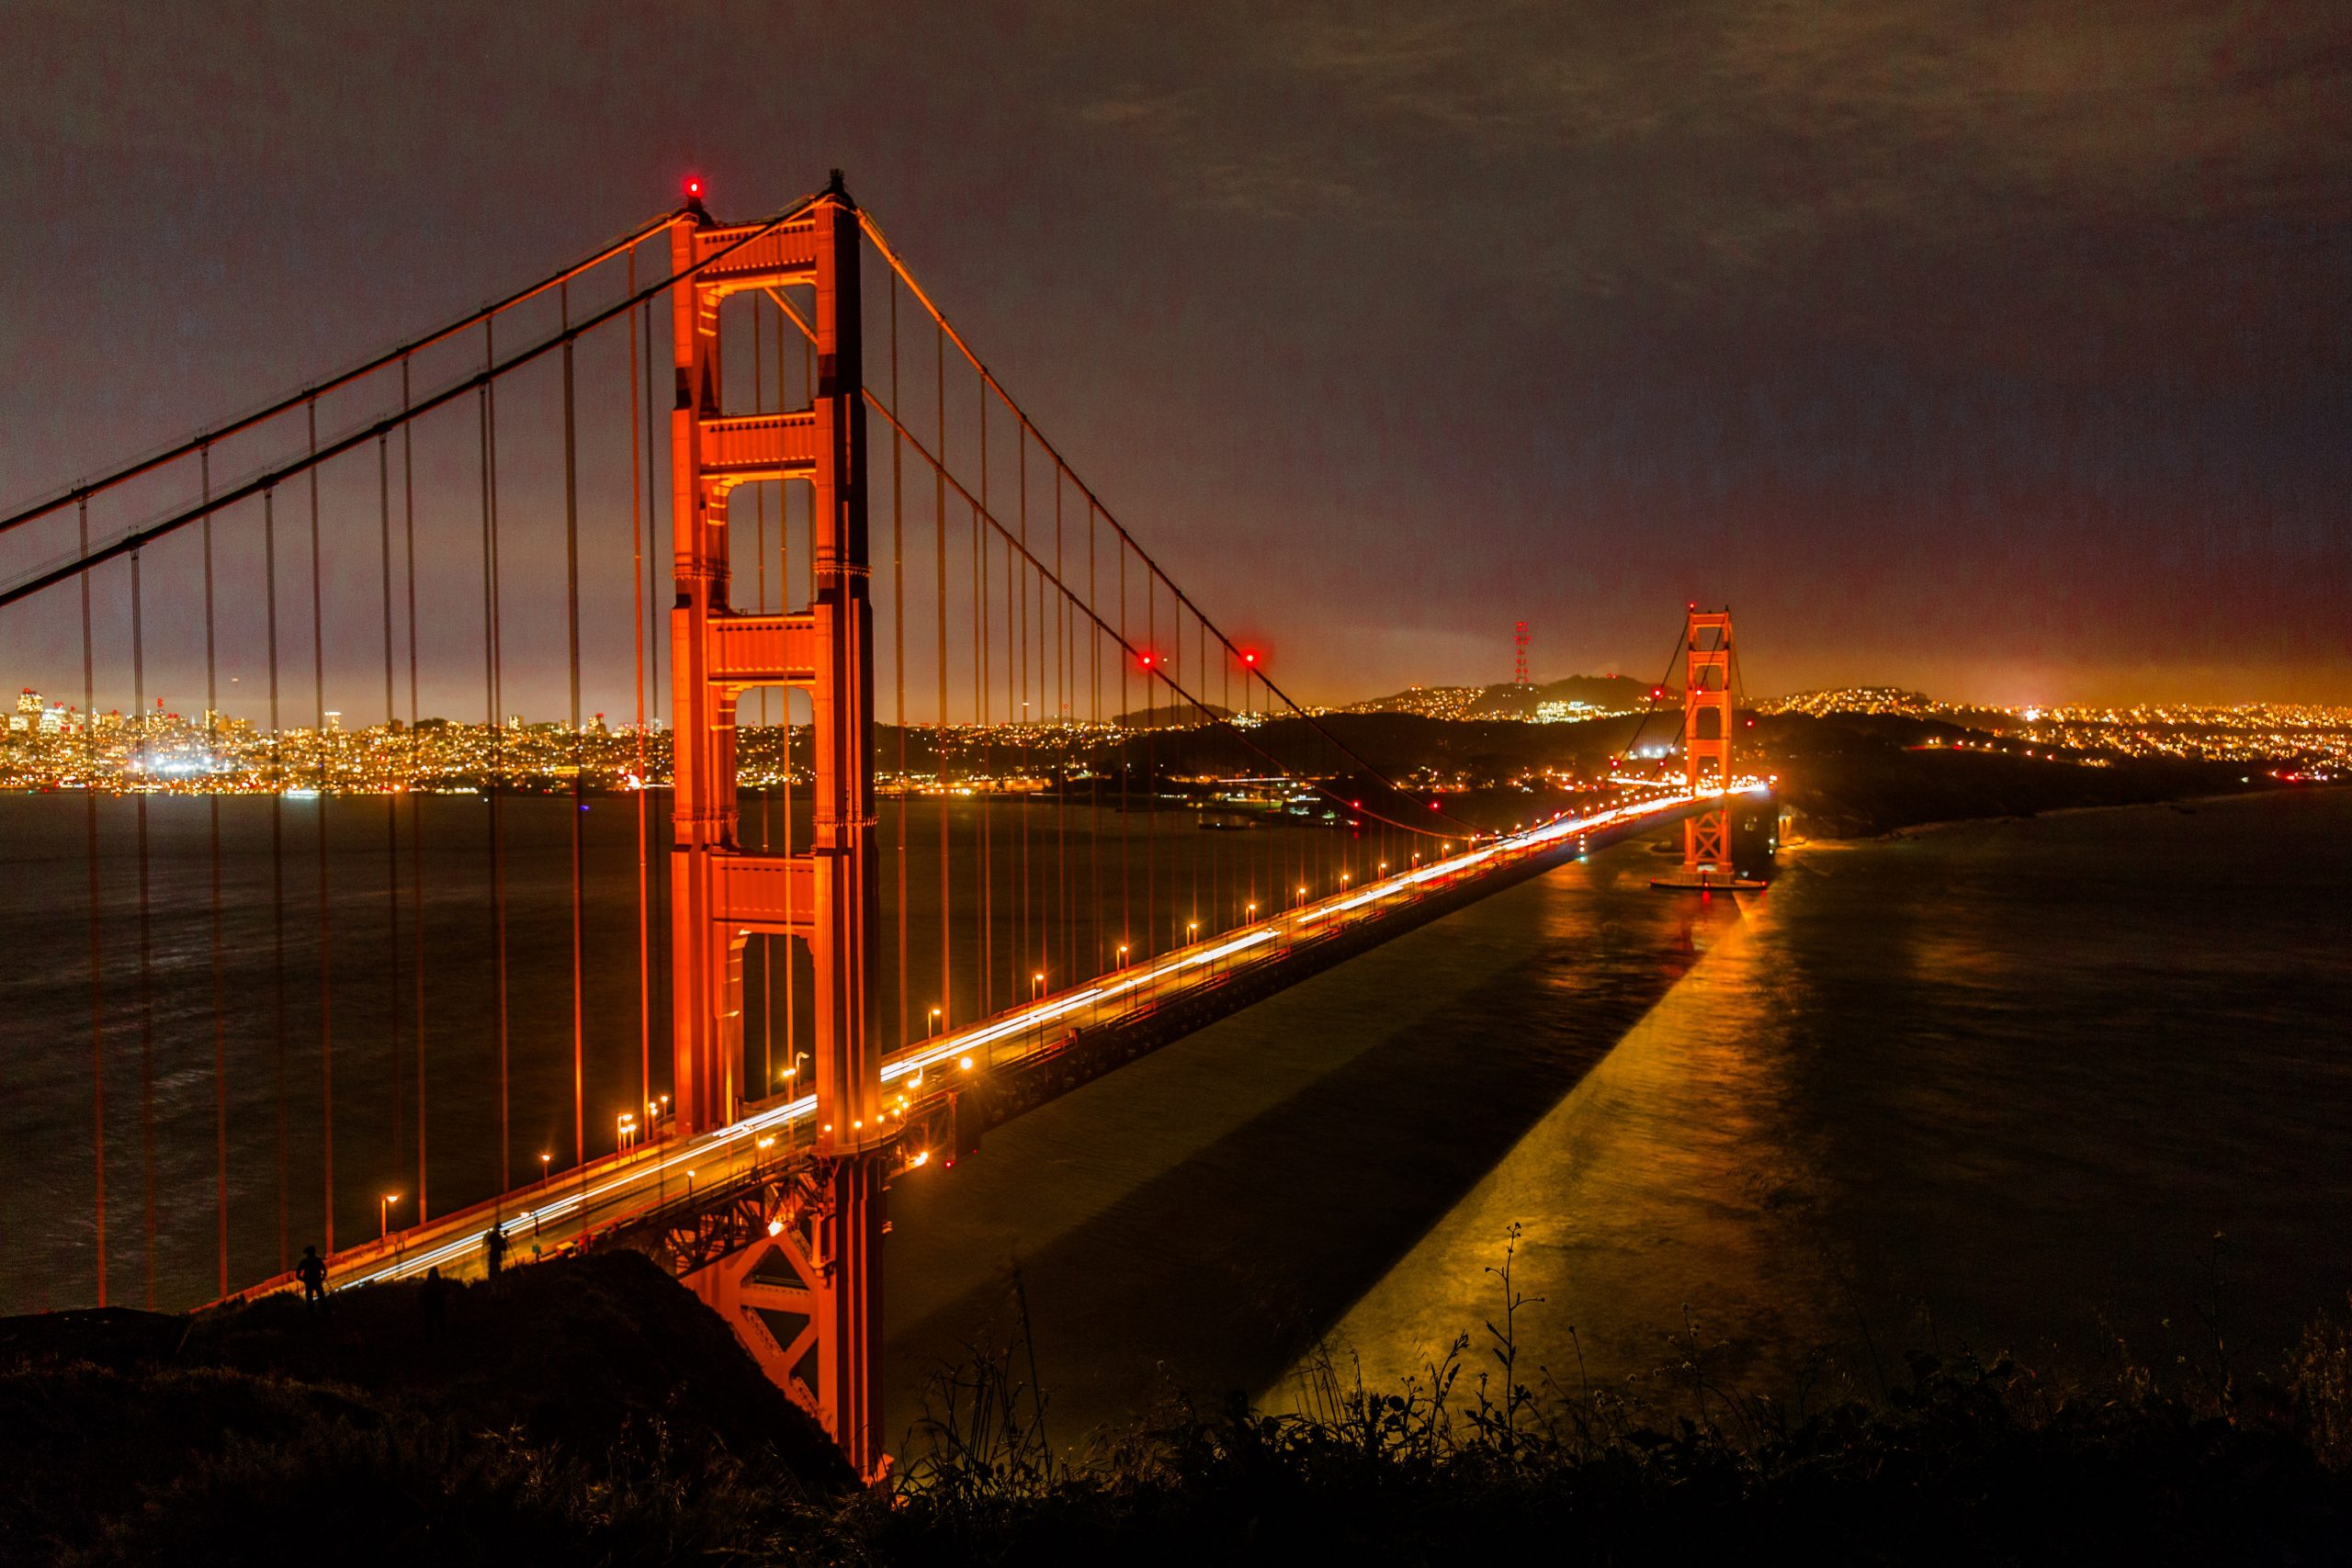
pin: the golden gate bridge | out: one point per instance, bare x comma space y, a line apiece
975, 641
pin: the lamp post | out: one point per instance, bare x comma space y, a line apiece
547, 1170
384, 1215
934, 1022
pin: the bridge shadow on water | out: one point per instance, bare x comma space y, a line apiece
1198, 1221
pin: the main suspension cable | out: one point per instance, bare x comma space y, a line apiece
399, 355
989, 382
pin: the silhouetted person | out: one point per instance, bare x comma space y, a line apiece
313, 1272
493, 1246
433, 1302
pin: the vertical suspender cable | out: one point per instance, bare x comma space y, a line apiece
1118, 723
760, 589
579, 806
939, 739
220, 979
1022, 713
1151, 768
415, 810
392, 798
146, 929
1014, 715
1095, 774
326, 970
898, 640
98, 940
490, 670
988, 814
1061, 723
983, 863
278, 875
636, 579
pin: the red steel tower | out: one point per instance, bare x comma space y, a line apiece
816, 1325
1706, 736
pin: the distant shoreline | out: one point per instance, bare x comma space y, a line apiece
1920, 829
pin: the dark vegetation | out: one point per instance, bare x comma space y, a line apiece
590, 1411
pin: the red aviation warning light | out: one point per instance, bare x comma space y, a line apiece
1145, 660
693, 187
1250, 656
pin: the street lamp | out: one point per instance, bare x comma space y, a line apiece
1123, 955
546, 1169
384, 1215
934, 1021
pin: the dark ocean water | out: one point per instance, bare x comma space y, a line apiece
2003, 1083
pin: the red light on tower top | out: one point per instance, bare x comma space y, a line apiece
693, 187
1249, 656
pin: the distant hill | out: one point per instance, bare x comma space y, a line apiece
1174, 716
1577, 696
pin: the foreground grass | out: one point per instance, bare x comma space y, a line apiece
153, 1440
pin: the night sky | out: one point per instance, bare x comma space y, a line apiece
2003, 351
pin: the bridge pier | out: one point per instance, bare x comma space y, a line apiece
797, 1272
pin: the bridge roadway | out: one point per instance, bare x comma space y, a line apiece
640, 1185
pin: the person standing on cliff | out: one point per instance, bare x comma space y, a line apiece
432, 1302
313, 1273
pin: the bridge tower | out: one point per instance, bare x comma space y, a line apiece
805, 1296
1706, 737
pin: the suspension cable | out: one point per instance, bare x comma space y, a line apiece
399, 355
996, 526
989, 381
125, 543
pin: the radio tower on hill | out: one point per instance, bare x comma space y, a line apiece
1519, 649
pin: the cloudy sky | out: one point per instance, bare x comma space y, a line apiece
2001, 350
